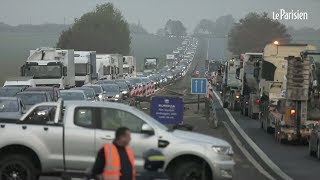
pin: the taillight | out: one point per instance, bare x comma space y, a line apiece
292, 112
258, 101
247, 102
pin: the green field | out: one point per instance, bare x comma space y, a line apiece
14, 48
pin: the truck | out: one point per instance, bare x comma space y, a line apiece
231, 84
287, 89
117, 60
105, 67
51, 67
250, 78
85, 67
129, 66
150, 65
63, 138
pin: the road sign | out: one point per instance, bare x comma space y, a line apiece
198, 86
167, 110
170, 56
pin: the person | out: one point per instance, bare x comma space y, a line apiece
154, 161
115, 161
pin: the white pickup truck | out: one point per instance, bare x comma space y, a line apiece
63, 138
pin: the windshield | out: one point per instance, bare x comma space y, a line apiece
126, 70
135, 81
111, 88
44, 72
32, 99
123, 85
81, 69
9, 106
69, 96
89, 92
8, 92
97, 89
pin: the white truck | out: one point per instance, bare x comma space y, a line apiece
129, 66
85, 67
117, 60
110, 66
280, 109
51, 67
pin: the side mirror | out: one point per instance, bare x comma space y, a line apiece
65, 71
146, 129
22, 70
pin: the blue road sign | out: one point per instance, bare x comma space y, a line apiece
167, 110
198, 86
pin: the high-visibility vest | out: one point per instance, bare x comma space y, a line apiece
113, 165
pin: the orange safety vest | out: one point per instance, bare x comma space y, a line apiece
112, 165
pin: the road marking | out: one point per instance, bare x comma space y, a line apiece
260, 153
247, 154
201, 86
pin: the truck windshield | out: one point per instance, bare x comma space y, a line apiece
44, 72
8, 106
81, 69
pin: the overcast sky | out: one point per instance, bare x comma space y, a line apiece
153, 13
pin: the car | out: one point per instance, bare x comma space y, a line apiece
10, 91
130, 85
124, 89
53, 91
97, 89
11, 108
30, 98
64, 137
314, 142
72, 95
90, 93
106, 82
111, 92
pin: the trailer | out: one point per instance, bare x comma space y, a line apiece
129, 66
51, 67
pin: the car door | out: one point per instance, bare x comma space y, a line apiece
111, 119
80, 139
41, 130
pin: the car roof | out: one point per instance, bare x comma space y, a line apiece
72, 91
40, 88
33, 92
82, 88
97, 104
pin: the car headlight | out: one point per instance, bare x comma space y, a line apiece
117, 96
237, 97
222, 150
100, 96
124, 92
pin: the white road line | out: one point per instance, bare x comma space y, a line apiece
247, 154
260, 153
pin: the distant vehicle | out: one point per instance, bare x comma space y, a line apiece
11, 108
97, 89
73, 95
150, 65
125, 81
22, 82
10, 91
124, 89
106, 82
85, 67
30, 98
51, 67
90, 93
111, 92
110, 66
53, 91
64, 136
129, 66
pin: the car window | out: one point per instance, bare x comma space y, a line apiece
84, 117
42, 115
111, 119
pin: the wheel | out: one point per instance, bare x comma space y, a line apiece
318, 150
16, 167
188, 171
311, 152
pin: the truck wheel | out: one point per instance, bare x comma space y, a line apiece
188, 171
17, 166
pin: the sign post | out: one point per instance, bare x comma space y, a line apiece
167, 110
198, 86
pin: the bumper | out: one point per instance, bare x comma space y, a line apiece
112, 99
223, 170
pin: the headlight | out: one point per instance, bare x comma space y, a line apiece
124, 92
100, 96
222, 150
237, 97
117, 96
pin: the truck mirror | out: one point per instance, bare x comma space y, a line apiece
89, 67
65, 71
22, 70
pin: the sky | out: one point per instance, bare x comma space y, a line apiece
153, 14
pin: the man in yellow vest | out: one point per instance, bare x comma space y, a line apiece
115, 161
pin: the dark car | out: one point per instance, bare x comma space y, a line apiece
30, 98
125, 81
97, 89
53, 91
10, 91
124, 89
11, 108
90, 93
106, 82
111, 92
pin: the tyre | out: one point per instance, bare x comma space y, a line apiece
318, 151
188, 171
311, 151
17, 166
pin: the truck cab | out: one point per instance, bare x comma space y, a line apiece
85, 67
